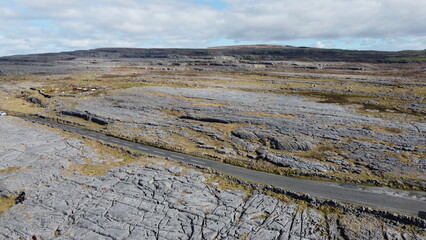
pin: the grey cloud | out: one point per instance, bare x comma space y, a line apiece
184, 23
291, 19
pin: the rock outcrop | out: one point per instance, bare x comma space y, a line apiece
87, 116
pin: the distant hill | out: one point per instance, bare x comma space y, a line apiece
257, 46
241, 52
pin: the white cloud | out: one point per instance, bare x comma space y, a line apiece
319, 44
185, 23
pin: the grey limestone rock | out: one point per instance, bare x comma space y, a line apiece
87, 116
293, 162
244, 134
156, 201
36, 100
288, 144
258, 120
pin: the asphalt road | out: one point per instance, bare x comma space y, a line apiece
342, 192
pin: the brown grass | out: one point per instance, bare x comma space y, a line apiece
174, 96
226, 127
226, 184
90, 169
6, 203
10, 169
266, 114
385, 129
104, 153
15, 104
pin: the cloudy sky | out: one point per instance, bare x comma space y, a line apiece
35, 26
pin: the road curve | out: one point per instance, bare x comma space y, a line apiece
407, 204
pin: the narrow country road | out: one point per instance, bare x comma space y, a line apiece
411, 203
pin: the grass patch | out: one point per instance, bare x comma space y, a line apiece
407, 157
282, 197
8, 170
338, 98
385, 129
266, 114
364, 139
330, 210
110, 157
243, 236
261, 217
226, 184
6, 203
174, 96
407, 59
15, 103
381, 107
318, 152
207, 104
90, 169
226, 127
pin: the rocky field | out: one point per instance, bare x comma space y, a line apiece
357, 119
76, 189
357, 122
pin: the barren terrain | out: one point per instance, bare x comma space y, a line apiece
348, 117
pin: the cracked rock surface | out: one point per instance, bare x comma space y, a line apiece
160, 200
316, 139
360, 121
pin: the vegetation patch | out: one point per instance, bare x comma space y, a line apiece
385, 129
226, 127
226, 184
6, 203
90, 169
266, 114
407, 59
17, 103
8, 170
174, 96
111, 157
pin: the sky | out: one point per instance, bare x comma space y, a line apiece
39, 26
